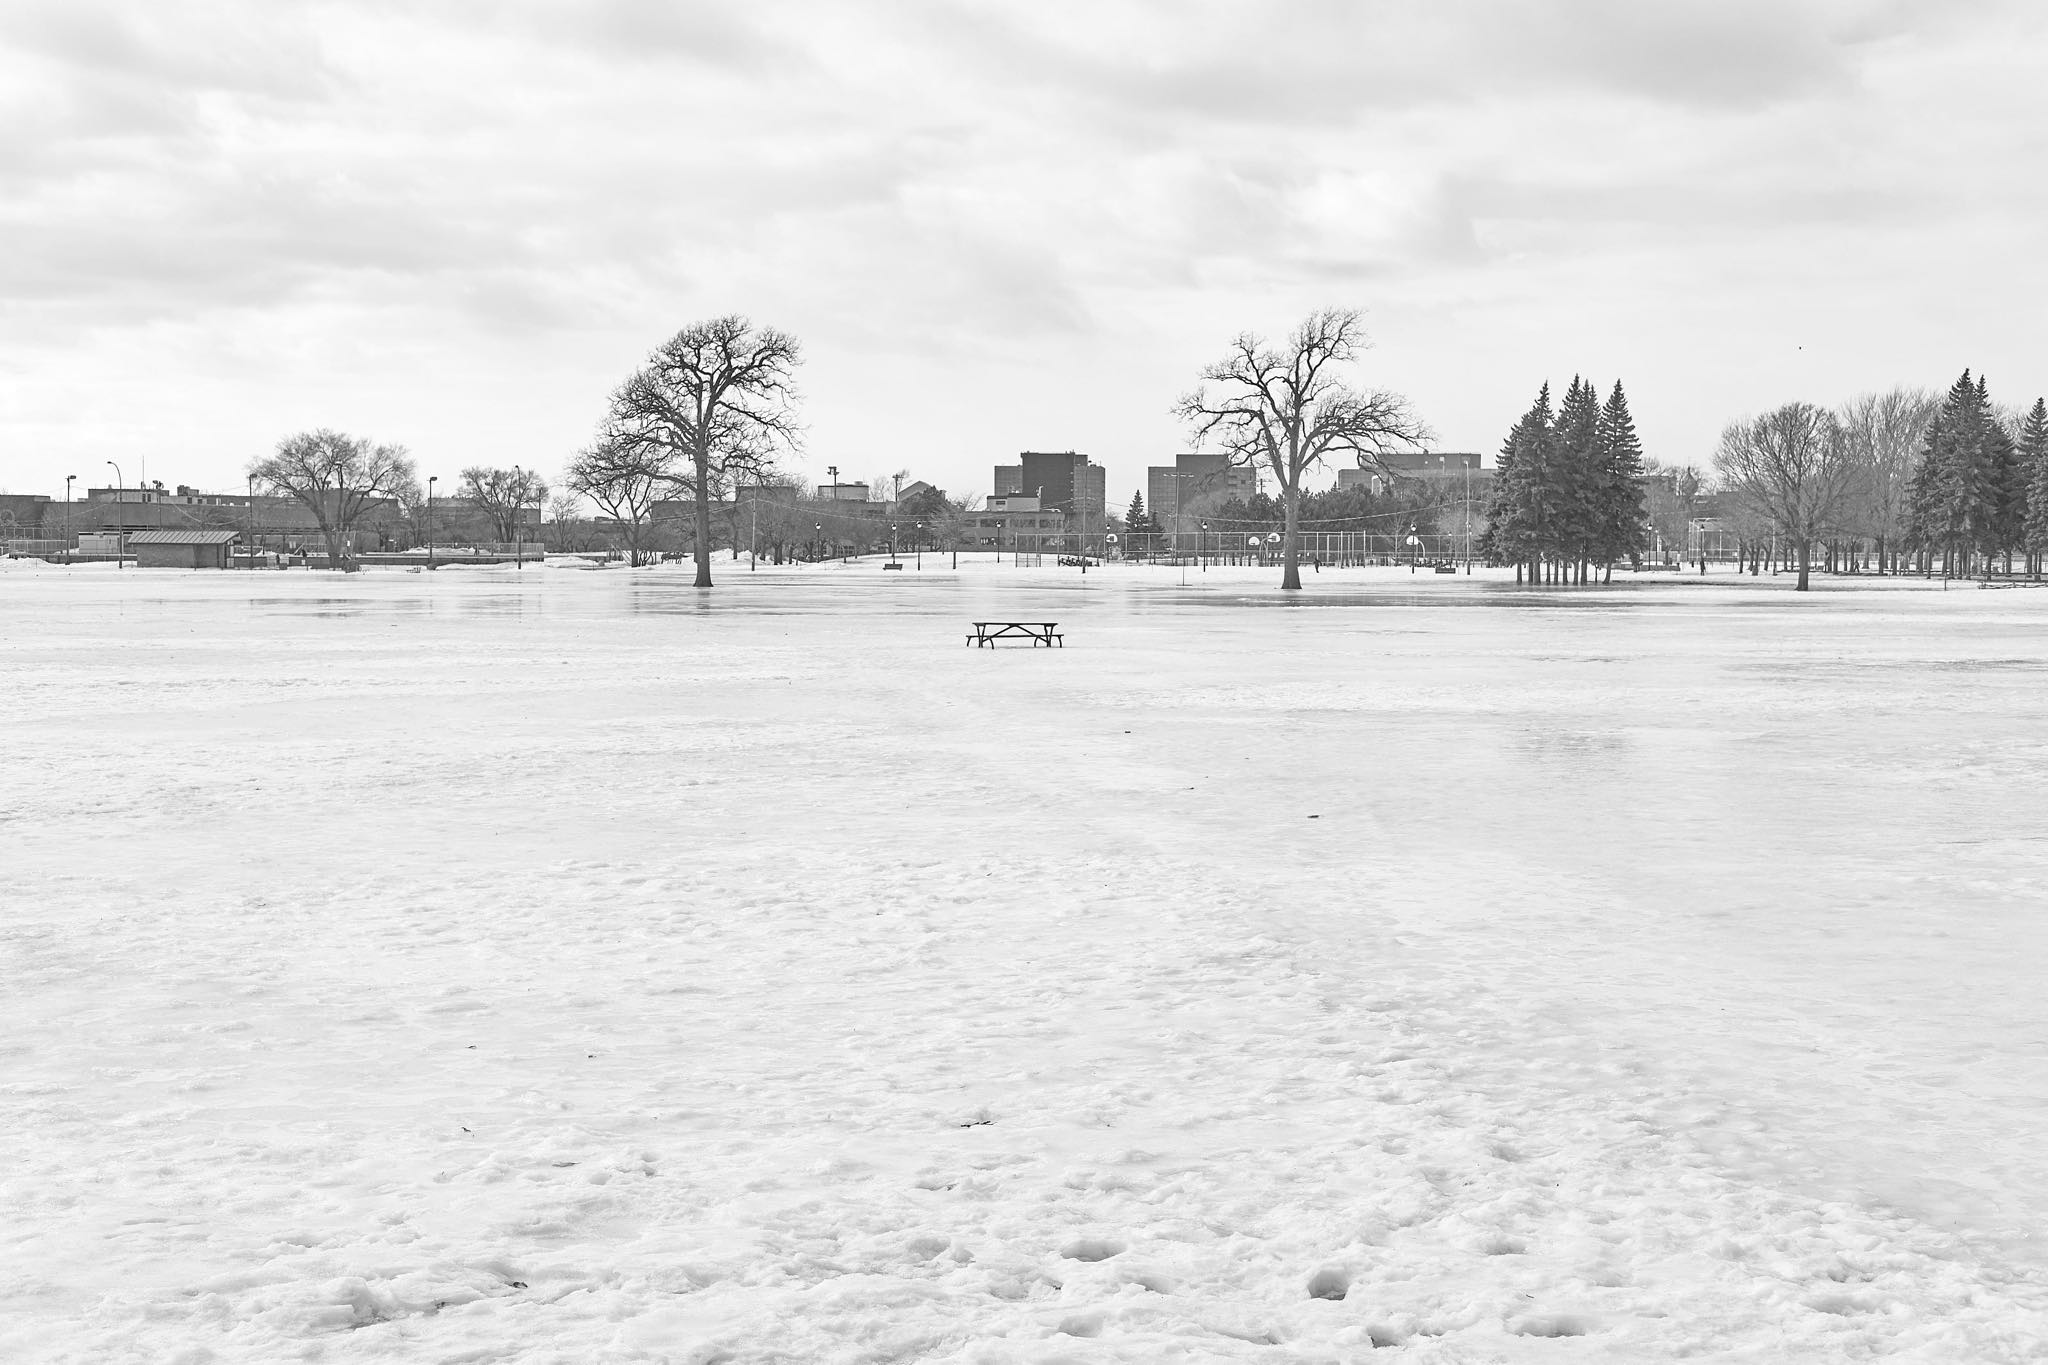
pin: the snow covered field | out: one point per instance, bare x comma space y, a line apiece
555, 966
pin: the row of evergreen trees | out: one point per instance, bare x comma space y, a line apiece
1981, 488
1566, 493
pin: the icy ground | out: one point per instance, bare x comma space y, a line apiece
551, 967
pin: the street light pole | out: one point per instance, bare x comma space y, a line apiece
432, 479
1468, 518
518, 506
121, 511
69, 479
1443, 465
1081, 506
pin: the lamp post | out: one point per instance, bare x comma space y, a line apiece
819, 528
1468, 518
432, 479
920, 547
249, 521
1081, 506
1201, 545
518, 506
1443, 465
121, 511
69, 479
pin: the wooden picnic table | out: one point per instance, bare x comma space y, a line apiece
1037, 632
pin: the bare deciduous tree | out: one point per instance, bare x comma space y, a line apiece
504, 496
1793, 468
565, 510
1289, 410
338, 478
624, 482
708, 409
1885, 434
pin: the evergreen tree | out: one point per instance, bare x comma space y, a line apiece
1136, 523
1514, 508
1962, 495
1575, 489
2033, 462
2006, 524
1621, 467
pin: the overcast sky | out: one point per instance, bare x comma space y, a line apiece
995, 226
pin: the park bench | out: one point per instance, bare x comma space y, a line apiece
1037, 632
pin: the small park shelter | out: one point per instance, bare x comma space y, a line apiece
181, 549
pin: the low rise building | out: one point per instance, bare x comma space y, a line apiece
182, 549
1458, 466
1179, 495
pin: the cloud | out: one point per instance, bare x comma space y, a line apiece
1004, 185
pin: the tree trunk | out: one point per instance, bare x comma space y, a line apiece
703, 462
337, 545
1805, 548
1290, 545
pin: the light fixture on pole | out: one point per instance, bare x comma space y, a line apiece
518, 506
120, 511
1468, 518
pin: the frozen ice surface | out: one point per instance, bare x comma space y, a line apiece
560, 966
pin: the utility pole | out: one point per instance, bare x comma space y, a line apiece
1081, 506
518, 507
120, 511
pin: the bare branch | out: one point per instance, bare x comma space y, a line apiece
1288, 410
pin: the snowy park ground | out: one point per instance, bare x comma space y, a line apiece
562, 966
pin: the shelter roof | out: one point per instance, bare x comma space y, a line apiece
183, 537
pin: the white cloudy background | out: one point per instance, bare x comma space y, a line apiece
994, 225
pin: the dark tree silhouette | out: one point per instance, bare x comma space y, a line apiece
1289, 409
708, 410
337, 478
